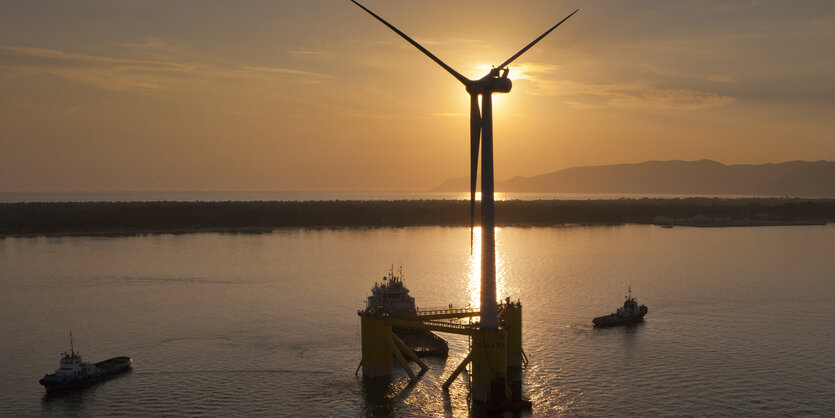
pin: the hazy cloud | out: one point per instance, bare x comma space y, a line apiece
668, 72
637, 94
530, 71
307, 52
317, 49
634, 95
153, 45
720, 78
456, 41
132, 74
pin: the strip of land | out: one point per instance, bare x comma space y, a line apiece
103, 218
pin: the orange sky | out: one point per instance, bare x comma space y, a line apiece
101, 95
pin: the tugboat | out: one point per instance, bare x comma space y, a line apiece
630, 313
73, 373
391, 298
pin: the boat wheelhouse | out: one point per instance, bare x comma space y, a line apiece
391, 296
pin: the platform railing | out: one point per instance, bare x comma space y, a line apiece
462, 311
431, 325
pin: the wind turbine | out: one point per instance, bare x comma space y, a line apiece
481, 135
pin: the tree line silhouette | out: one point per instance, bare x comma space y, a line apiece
57, 218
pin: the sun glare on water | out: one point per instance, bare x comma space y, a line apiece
474, 269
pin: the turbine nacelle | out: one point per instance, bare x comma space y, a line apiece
495, 81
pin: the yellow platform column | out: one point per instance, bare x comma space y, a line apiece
513, 325
377, 358
489, 360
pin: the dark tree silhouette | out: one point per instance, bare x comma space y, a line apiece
57, 218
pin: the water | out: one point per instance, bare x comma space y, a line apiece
741, 320
219, 196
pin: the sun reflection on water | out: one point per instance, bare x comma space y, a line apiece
497, 196
474, 269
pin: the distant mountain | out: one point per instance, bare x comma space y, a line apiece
791, 178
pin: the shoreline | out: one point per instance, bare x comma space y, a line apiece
256, 231
53, 219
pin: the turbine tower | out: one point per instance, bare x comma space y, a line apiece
481, 136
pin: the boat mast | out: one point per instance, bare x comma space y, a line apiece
72, 348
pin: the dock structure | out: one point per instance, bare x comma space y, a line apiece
495, 356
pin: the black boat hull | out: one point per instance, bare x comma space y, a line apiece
103, 371
615, 320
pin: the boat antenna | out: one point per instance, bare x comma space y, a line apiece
630, 292
72, 348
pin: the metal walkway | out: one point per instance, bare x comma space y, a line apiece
430, 325
429, 319
447, 313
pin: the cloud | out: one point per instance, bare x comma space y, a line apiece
635, 95
452, 41
317, 49
133, 74
307, 52
668, 72
153, 44
720, 78
643, 96
273, 73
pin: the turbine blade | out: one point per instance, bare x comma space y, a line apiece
456, 74
475, 141
523, 50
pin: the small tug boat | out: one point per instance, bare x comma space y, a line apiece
73, 373
391, 298
630, 313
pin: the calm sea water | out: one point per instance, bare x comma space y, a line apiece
9, 197
741, 320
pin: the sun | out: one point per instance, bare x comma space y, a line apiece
499, 100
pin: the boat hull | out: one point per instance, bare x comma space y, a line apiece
103, 371
614, 319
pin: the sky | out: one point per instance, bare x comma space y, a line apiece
316, 95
